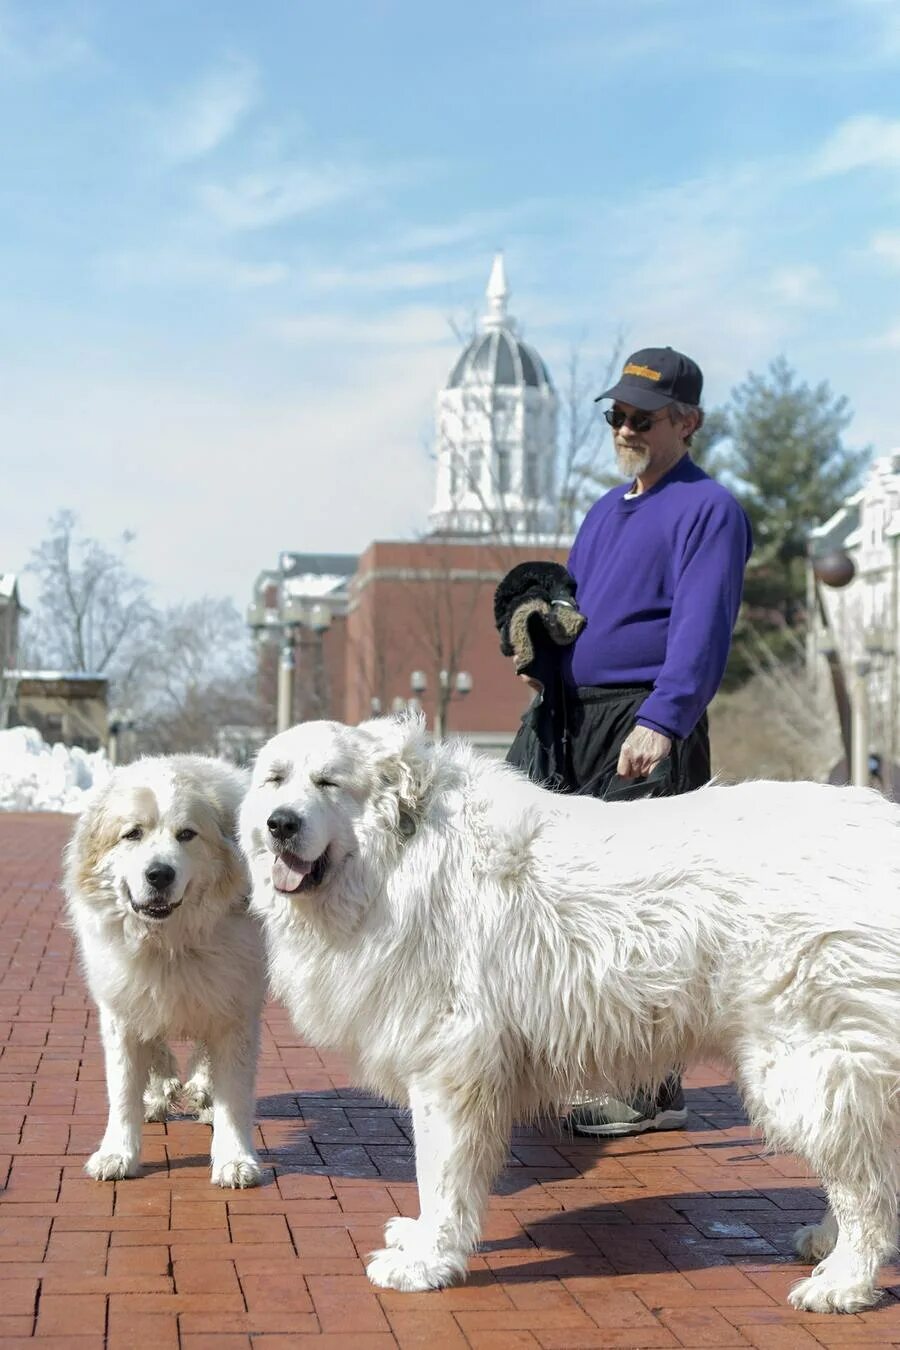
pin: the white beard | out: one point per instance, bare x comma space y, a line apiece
632, 463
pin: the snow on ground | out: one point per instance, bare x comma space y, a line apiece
35, 776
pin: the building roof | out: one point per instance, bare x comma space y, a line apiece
497, 355
500, 358
317, 564
837, 532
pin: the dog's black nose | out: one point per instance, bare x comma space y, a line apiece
160, 875
283, 823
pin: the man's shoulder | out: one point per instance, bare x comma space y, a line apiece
707, 493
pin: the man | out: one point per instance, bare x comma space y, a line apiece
659, 566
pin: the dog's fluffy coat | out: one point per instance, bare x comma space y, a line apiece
157, 896
484, 949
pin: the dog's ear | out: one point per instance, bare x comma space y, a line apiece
404, 767
96, 830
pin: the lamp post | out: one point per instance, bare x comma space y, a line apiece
319, 621
418, 683
280, 624
121, 728
449, 687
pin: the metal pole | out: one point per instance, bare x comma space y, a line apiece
894, 668
812, 633
286, 682
859, 739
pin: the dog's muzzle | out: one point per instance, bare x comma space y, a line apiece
156, 908
291, 874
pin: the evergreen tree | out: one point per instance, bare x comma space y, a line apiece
788, 464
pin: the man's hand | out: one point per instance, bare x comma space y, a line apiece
533, 684
641, 751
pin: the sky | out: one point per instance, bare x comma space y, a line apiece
238, 242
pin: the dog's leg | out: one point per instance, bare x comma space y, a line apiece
127, 1066
232, 1060
825, 1104
460, 1147
164, 1085
197, 1094
865, 1227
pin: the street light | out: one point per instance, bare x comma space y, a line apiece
121, 728
280, 624
457, 687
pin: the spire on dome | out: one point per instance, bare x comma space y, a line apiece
497, 296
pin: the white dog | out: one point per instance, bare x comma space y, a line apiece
483, 949
157, 894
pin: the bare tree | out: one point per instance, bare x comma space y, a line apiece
93, 613
444, 607
199, 680
577, 466
442, 604
778, 724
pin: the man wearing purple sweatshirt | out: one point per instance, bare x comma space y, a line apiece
659, 566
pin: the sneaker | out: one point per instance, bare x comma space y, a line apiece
608, 1117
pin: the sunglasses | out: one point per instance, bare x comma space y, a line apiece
638, 422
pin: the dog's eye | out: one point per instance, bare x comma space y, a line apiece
275, 779
134, 833
323, 783
183, 836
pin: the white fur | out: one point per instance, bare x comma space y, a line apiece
482, 949
197, 973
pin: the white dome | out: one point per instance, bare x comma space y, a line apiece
499, 358
496, 437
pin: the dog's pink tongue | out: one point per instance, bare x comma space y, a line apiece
288, 874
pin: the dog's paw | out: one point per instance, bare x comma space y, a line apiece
415, 1270
402, 1232
196, 1099
237, 1174
824, 1294
160, 1097
814, 1243
112, 1166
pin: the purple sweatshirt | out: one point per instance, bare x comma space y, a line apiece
659, 579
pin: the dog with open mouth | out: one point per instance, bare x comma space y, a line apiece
482, 950
157, 894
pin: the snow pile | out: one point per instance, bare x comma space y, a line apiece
37, 777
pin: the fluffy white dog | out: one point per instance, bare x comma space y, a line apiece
157, 894
483, 949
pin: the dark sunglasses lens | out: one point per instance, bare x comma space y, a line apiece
639, 422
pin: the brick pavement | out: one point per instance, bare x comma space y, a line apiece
677, 1240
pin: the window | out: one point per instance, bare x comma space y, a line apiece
476, 464
530, 485
503, 468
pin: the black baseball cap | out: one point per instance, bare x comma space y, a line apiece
655, 376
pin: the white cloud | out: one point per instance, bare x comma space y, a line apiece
867, 141
215, 478
392, 276
38, 45
881, 26
187, 268
268, 197
886, 247
889, 340
202, 117
411, 328
801, 287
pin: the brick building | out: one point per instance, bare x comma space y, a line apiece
414, 618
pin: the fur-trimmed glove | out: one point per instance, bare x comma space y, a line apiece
534, 611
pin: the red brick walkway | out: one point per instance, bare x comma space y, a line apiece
672, 1240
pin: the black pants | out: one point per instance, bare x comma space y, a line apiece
588, 727
579, 735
